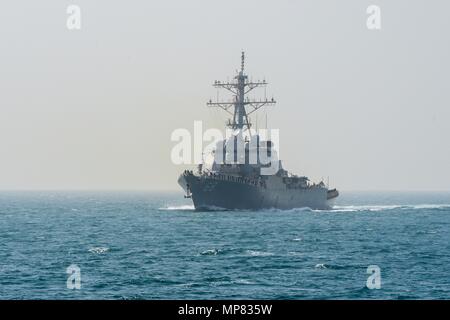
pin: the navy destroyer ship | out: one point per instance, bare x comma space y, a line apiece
229, 179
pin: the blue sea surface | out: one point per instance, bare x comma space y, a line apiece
143, 245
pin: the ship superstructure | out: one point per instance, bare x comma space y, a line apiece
243, 171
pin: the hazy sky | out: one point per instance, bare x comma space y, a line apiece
94, 108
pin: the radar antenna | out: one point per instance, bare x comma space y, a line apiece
240, 87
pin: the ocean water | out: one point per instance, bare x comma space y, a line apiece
146, 245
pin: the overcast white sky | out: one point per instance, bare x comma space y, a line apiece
94, 108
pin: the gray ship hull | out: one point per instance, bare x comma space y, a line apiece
209, 193
234, 175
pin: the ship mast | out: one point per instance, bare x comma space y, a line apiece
241, 104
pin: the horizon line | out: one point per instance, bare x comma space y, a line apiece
181, 191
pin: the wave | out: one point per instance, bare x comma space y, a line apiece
364, 208
210, 252
258, 253
334, 266
301, 209
348, 208
179, 208
243, 281
388, 207
192, 208
98, 250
